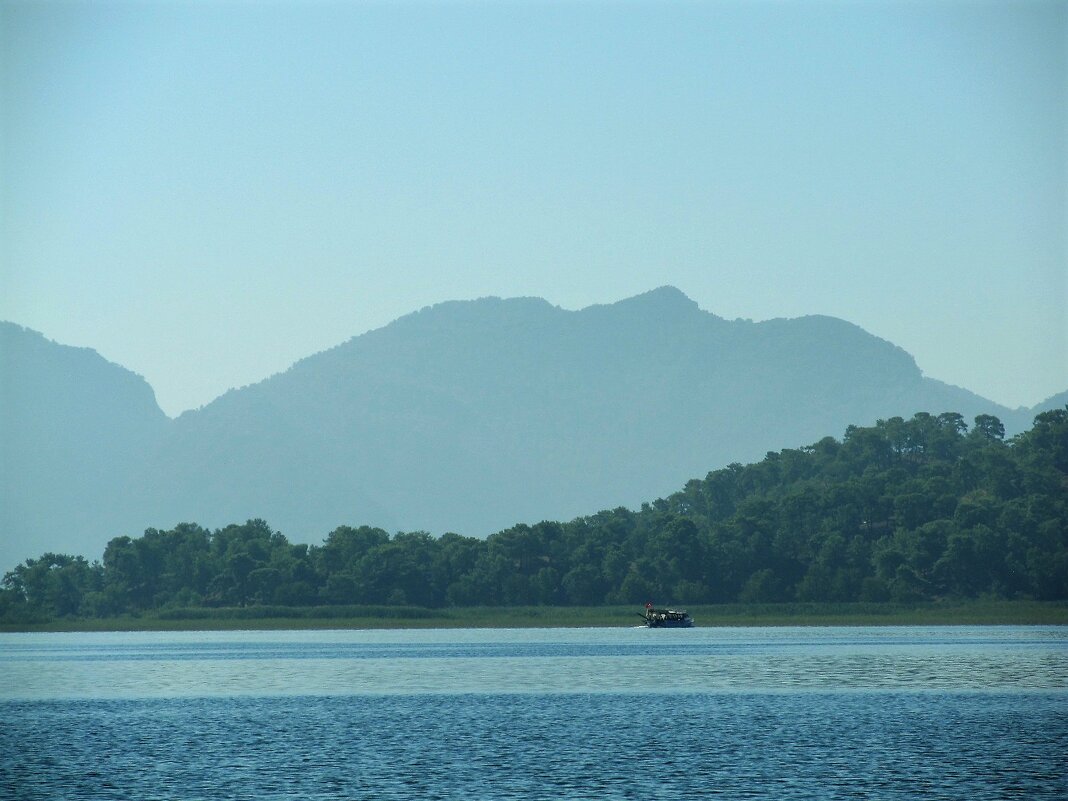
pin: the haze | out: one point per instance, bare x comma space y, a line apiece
206, 193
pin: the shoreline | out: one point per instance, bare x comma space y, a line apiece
948, 613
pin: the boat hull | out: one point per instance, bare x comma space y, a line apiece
670, 624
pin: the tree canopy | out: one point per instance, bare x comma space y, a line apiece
904, 510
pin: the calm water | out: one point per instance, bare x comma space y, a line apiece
881, 713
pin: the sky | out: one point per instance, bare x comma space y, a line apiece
207, 192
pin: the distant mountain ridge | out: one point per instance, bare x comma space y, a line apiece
466, 416
73, 428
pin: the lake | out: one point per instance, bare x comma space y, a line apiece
610, 713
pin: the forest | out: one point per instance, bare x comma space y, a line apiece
905, 510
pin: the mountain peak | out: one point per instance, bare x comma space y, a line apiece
665, 297
664, 300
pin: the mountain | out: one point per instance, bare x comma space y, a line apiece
465, 416
1058, 401
74, 428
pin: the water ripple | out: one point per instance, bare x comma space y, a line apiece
220, 664
489, 746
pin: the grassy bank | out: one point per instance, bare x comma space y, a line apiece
406, 617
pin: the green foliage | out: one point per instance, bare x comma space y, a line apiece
56, 585
905, 511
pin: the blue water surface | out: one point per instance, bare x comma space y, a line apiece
895, 713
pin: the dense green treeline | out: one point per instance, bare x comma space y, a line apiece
906, 510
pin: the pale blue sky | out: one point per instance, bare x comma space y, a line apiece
206, 192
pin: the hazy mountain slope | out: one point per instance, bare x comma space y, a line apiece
470, 416
465, 416
73, 427
1058, 401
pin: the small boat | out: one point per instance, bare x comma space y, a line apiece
666, 618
